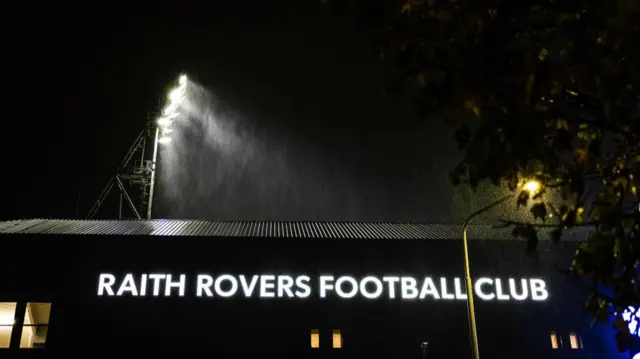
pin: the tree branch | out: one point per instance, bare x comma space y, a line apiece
568, 182
506, 223
567, 273
627, 135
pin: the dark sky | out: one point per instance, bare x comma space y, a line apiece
300, 84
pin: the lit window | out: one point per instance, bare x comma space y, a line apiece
7, 315
36, 325
337, 339
576, 342
554, 341
315, 338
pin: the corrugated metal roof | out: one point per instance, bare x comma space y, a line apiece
197, 228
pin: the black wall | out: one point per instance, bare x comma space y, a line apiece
65, 270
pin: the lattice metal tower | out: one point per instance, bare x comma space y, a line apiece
135, 177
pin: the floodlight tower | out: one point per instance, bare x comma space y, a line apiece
163, 129
141, 175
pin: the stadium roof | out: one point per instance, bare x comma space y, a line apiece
198, 228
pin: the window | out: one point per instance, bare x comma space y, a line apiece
554, 340
36, 325
315, 338
7, 315
337, 339
576, 342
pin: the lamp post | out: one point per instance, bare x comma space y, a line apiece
162, 131
531, 187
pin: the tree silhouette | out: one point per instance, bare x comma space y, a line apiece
546, 90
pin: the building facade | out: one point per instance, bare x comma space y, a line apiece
303, 290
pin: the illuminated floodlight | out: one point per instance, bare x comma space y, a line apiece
164, 121
166, 130
167, 119
170, 109
176, 95
164, 139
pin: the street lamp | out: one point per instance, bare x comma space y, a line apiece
530, 186
163, 129
424, 346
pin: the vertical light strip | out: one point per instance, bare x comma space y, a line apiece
337, 339
554, 340
575, 341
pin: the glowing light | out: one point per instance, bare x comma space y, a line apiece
315, 339
351, 288
532, 186
176, 95
6, 319
337, 339
233, 285
554, 341
345, 286
171, 116
171, 108
164, 139
637, 356
631, 316
478, 288
138, 287
164, 121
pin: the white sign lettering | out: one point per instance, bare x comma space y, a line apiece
327, 286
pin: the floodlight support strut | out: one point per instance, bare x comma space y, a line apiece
153, 172
138, 144
127, 197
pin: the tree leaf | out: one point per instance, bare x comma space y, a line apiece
543, 54
512, 181
463, 136
555, 99
532, 241
523, 198
539, 211
594, 147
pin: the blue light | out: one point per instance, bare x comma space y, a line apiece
637, 356
631, 316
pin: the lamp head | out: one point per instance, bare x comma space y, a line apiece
164, 140
532, 186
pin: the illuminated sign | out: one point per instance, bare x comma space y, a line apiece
324, 286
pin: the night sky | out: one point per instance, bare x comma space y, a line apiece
316, 136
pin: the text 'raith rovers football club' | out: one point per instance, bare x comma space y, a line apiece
324, 286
